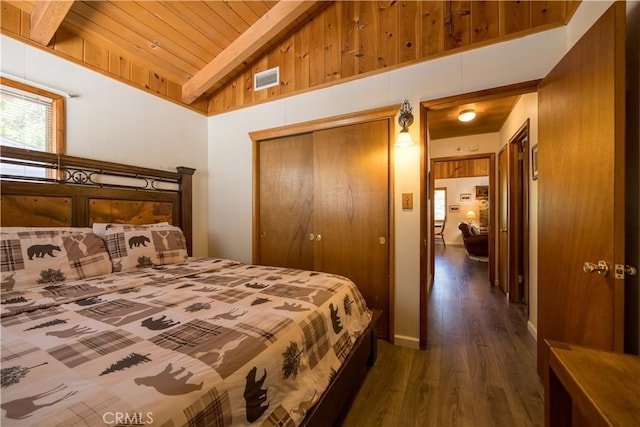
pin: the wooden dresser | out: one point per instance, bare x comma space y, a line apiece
591, 387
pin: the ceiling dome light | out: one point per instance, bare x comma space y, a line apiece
466, 115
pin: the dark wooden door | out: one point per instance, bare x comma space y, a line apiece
352, 209
581, 190
503, 220
286, 201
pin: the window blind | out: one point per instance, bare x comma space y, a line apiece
25, 119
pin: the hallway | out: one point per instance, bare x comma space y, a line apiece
479, 367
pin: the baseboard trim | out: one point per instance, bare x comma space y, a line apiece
532, 330
404, 341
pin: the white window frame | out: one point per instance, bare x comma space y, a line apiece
444, 207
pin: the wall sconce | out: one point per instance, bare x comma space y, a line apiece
471, 215
466, 115
405, 120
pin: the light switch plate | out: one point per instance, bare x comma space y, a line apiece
407, 200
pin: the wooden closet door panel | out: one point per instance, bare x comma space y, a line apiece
351, 168
286, 201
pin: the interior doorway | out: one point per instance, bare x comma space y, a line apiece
517, 232
513, 217
443, 109
468, 181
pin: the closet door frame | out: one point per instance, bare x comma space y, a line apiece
384, 113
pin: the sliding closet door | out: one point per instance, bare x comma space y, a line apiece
351, 218
286, 201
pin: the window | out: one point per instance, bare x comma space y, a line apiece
440, 204
30, 117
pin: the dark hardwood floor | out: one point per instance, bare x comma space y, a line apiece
479, 368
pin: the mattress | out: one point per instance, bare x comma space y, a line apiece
209, 341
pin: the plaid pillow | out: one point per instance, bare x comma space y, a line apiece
136, 246
36, 257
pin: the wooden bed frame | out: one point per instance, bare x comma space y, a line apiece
77, 192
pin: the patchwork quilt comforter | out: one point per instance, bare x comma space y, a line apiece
208, 342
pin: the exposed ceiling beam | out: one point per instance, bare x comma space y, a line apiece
249, 42
46, 17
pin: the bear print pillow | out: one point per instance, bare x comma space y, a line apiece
38, 257
139, 246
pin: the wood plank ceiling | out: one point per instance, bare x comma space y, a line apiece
491, 115
203, 54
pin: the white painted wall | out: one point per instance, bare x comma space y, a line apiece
455, 187
462, 146
230, 151
111, 121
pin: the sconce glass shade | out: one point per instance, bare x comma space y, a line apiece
404, 139
466, 115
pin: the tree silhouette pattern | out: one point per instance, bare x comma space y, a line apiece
130, 360
47, 324
347, 305
198, 306
14, 374
51, 276
144, 261
291, 361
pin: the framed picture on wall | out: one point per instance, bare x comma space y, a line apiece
482, 192
534, 162
465, 197
454, 208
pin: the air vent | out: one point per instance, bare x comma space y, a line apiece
265, 79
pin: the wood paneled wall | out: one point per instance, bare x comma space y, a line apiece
461, 168
345, 40
78, 45
357, 38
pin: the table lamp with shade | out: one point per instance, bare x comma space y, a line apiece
471, 215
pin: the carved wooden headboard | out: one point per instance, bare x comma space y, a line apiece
49, 190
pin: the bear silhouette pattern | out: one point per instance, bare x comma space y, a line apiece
255, 396
158, 324
39, 251
137, 241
